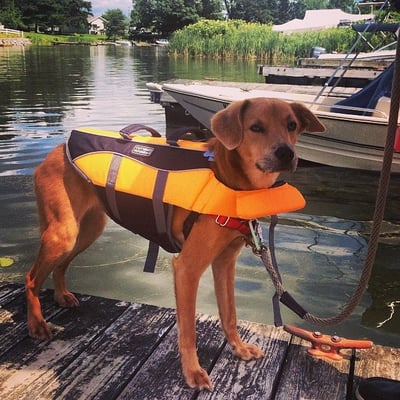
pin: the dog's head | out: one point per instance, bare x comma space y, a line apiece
263, 132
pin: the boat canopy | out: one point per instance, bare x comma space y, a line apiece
376, 27
368, 97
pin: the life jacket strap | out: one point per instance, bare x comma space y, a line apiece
237, 224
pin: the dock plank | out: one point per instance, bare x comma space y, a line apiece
105, 367
379, 361
108, 349
235, 378
161, 376
13, 326
306, 377
31, 364
9, 292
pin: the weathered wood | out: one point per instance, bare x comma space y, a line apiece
306, 377
379, 361
235, 378
13, 327
106, 366
107, 349
334, 63
31, 364
161, 376
9, 292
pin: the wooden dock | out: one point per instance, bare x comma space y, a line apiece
108, 349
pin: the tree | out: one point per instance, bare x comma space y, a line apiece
77, 12
47, 14
115, 25
10, 15
263, 11
166, 16
345, 5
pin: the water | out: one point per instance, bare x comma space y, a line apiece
47, 91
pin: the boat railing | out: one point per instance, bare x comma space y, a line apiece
351, 55
346, 110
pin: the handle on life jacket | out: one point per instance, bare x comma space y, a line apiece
173, 137
126, 132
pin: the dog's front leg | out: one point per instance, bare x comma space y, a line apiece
224, 280
186, 285
205, 242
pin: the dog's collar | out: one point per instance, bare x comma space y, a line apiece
241, 225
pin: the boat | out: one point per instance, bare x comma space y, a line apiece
355, 68
162, 42
123, 43
355, 133
356, 117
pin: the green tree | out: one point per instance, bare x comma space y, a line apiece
115, 25
166, 16
77, 12
316, 4
345, 5
263, 11
10, 15
47, 14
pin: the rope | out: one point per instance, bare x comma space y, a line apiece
377, 220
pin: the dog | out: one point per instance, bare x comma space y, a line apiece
253, 143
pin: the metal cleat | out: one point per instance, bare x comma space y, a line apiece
327, 346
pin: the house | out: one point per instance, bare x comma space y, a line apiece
96, 25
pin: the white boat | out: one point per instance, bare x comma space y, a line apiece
384, 53
162, 42
351, 140
123, 43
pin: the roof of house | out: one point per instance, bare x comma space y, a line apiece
93, 18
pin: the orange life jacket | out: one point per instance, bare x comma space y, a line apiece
140, 178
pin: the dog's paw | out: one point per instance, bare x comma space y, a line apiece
247, 351
66, 299
39, 329
198, 379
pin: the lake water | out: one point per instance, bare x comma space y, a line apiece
47, 91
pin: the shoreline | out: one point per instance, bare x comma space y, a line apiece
12, 42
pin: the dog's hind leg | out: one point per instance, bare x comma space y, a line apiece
57, 243
67, 206
90, 228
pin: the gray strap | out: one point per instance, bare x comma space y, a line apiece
110, 185
158, 206
159, 216
151, 258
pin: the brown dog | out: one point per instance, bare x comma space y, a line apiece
254, 141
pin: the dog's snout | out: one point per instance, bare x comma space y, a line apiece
284, 153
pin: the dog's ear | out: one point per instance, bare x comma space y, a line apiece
227, 124
310, 123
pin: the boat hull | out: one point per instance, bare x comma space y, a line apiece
349, 141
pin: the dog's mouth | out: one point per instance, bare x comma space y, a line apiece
283, 158
269, 168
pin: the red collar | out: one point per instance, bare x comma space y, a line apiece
241, 225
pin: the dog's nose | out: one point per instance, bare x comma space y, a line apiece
284, 153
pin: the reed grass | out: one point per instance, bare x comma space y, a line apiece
247, 40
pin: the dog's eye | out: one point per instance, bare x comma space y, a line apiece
257, 128
292, 126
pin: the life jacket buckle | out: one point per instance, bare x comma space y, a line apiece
222, 223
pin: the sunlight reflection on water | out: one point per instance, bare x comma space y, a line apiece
47, 92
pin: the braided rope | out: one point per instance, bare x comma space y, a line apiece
378, 214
